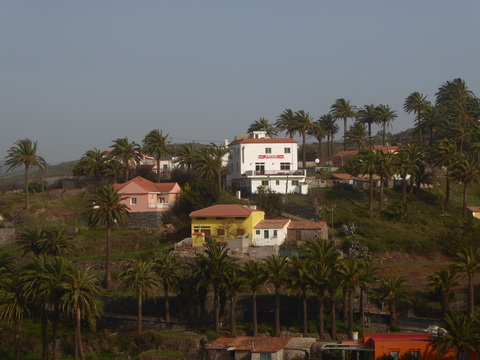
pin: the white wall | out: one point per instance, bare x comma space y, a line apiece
260, 240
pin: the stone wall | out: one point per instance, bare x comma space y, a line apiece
151, 219
7, 236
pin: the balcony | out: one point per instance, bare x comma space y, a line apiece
160, 206
300, 173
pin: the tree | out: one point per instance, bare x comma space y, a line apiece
81, 301
213, 164
469, 263
107, 211
215, 261
139, 276
298, 279
357, 136
127, 153
155, 144
269, 201
331, 129
185, 156
404, 165
24, 153
168, 267
368, 116
444, 154
465, 171
318, 277
334, 283
276, 267
234, 283
319, 132
416, 103
461, 335
349, 271
303, 124
341, 109
384, 169
392, 290
442, 283
255, 276
365, 163
384, 116
262, 124
92, 163
286, 122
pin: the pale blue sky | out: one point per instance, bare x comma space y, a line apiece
77, 74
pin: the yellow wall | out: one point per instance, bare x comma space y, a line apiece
228, 224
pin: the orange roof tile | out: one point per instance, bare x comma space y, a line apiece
263, 141
345, 177
307, 225
272, 224
224, 210
147, 185
250, 343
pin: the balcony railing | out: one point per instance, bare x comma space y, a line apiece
159, 206
275, 173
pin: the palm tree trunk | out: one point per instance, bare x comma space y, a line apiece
393, 314
158, 170
370, 199
27, 195
344, 133
319, 148
333, 329
321, 318
167, 303
233, 330
329, 153
350, 314
108, 277
471, 298
447, 189
79, 334
384, 133
380, 200
277, 312
16, 336
444, 303
139, 316
304, 313
345, 304
404, 189
254, 312
43, 317
362, 308
216, 310
304, 152
465, 186
54, 331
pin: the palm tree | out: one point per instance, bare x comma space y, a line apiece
392, 290
57, 242
368, 116
168, 267
319, 132
218, 153
215, 261
442, 283
262, 124
30, 240
404, 166
334, 284
366, 163
13, 306
276, 267
321, 251
155, 144
107, 211
465, 171
384, 116
112, 169
234, 283
357, 135
255, 276
469, 263
318, 278
416, 103
139, 276
303, 124
298, 272
341, 109
24, 153
366, 277
384, 169
81, 301
350, 271
185, 156
92, 163
461, 335
127, 153
331, 128
444, 154
286, 122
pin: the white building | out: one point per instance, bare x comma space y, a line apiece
271, 232
257, 160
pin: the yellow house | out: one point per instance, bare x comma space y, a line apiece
224, 221
475, 211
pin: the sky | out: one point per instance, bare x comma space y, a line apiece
76, 75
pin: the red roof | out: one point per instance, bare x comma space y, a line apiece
346, 177
251, 343
263, 141
224, 210
307, 225
397, 337
385, 149
272, 224
147, 185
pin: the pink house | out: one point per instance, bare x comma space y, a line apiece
142, 195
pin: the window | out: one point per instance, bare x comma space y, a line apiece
394, 354
415, 354
202, 229
239, 218
161, 200
265, 234
220, 218
268, 150
284, 166
240, 232
259, 168
133, 201
277, 182
275, 233
201, 218
257, 232
220, 232
287, 150
294, 182
264, 182
265, 356
165, 167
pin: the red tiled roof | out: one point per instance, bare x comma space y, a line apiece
307, 225
224, 210
250, 343
271, 224
474, 208
345, 177
146, 185
263, 141
386, 149
397, 337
